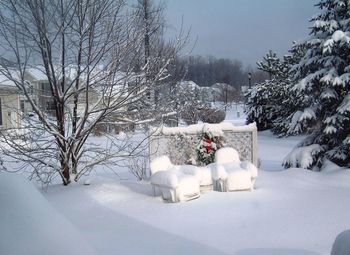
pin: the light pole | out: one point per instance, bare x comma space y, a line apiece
250, 80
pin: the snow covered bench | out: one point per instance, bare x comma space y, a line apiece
175, 183
230, 174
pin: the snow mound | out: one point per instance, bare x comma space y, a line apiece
341, 245
30, 225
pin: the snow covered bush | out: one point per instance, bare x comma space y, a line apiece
324, 84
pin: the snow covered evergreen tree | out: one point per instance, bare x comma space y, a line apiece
324, 85
263, 101
286, 122
270, 64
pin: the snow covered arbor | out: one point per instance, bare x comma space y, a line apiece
181, 143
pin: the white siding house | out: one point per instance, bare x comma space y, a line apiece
10, 112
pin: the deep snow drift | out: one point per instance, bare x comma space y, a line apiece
30, 225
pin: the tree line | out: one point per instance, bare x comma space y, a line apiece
208, 70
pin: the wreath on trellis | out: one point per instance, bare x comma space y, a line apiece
207, 147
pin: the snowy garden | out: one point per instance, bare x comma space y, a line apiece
109, 146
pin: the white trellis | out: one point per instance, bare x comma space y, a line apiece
179, 143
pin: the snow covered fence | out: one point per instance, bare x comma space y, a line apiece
180, 143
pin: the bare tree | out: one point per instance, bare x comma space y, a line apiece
87, 50
150, 19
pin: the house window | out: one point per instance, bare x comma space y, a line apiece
29, 87
45, 88
0, 113
22, 105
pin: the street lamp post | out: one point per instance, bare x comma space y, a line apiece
250, 80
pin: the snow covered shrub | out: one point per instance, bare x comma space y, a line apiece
324, 83
210, 115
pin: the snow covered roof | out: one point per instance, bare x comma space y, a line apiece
215, 129
37, 73
96, 74
5, 82
189, 84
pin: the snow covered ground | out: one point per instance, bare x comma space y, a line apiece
291, 212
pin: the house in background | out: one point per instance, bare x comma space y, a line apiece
102, 88
10, 111
39, 90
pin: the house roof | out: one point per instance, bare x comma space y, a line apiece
37, 73
6, 83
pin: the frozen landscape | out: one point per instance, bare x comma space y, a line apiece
124, 133
291, 212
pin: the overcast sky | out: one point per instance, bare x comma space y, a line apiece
242, 29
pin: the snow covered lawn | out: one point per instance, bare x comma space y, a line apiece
292, 212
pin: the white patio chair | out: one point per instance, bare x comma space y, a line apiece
175, 183
230, 174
